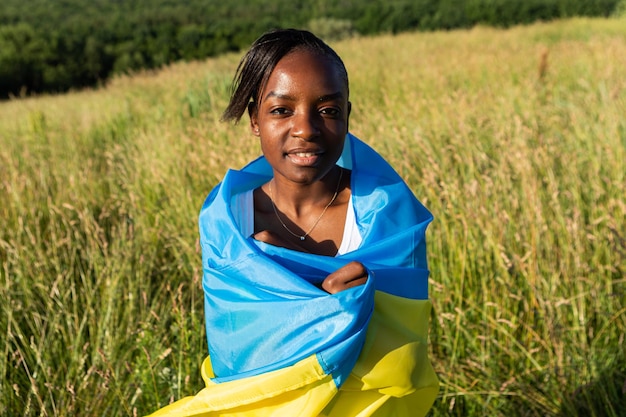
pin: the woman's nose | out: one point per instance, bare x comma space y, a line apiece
305, 126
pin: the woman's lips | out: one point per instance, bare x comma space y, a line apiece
304, 158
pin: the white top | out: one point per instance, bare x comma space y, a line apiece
242, 206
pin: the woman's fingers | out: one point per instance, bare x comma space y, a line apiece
348, 276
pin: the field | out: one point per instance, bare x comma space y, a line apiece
515, 139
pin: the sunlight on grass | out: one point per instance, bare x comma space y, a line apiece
515, 140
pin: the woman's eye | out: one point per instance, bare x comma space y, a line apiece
330, 111
279, 110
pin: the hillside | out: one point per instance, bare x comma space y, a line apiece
514, 138
59, 45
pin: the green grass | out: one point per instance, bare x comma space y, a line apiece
515, 139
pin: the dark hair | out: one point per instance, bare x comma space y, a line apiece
258, 63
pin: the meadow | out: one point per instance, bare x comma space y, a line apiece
515, 140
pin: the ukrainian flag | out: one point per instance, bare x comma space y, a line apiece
280, 346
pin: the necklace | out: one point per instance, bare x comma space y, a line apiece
302, 237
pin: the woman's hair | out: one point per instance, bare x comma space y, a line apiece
258, 63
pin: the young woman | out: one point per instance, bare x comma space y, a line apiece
314, 258
297, 100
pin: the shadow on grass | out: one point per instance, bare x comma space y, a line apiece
603, 397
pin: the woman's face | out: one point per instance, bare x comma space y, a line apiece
302, 117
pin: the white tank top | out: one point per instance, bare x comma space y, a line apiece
242, 206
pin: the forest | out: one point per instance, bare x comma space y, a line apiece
59, 45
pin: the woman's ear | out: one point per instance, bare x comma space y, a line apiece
254, 120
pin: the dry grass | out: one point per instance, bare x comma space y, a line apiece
516, 140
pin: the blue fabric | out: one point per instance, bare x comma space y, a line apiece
263, 311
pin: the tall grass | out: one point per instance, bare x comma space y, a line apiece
516, 141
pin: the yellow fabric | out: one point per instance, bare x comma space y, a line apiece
392, 377
299, 390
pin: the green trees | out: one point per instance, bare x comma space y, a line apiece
55, 45
22, 53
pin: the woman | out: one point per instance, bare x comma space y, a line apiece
315, 273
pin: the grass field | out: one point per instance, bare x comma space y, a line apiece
515, 140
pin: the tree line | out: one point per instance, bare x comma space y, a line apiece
57, 45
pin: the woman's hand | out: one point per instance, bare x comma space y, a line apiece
347, 276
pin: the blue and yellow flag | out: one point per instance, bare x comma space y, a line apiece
280, 346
